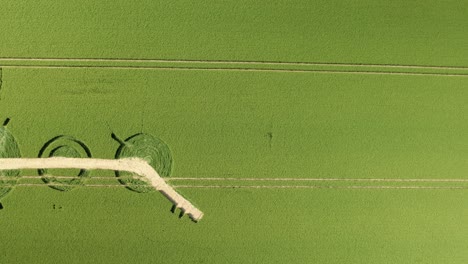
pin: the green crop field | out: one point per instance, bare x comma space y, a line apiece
306, 131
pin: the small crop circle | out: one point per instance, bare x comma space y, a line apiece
155, 151
64, 146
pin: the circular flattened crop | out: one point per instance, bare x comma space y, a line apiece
69, 147
8, 149
155, 151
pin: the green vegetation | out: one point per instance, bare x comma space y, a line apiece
64, 146
224, 120
245, 124
149, 148
8, 149
398, 32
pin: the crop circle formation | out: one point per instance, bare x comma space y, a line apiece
64, 146
8, 149
155, 151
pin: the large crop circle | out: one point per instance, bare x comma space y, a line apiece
69, 147
155, 151
8, 149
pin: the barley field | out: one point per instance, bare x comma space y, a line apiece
306, 131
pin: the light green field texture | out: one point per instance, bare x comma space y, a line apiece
306, 131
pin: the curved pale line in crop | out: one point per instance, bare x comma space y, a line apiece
134, 165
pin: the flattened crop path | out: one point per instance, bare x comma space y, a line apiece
133, 165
